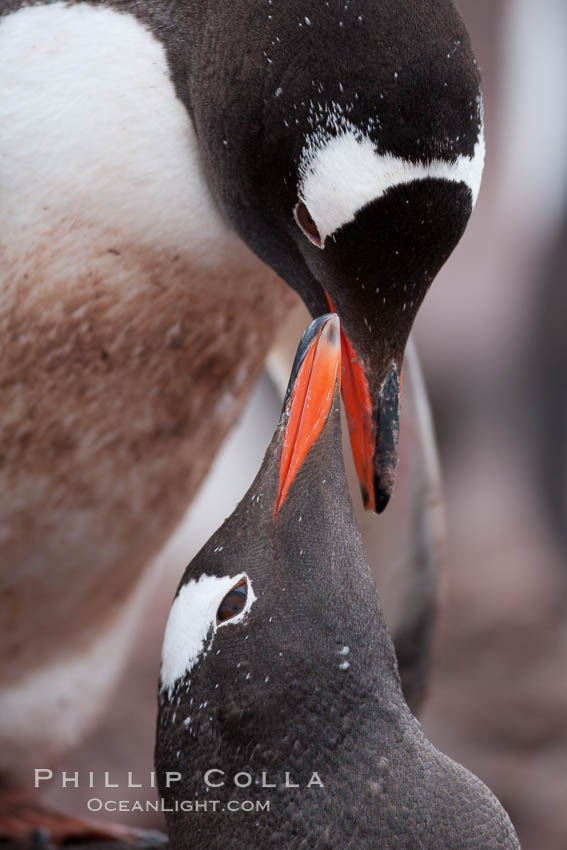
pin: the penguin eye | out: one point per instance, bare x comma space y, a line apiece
306, 223
233, 602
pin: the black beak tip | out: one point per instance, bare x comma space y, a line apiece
388, 421
382, 497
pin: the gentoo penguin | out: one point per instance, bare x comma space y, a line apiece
279, 683
157, 159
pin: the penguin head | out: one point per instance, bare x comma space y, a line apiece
279, 681
275, 639
269, 608
348, 153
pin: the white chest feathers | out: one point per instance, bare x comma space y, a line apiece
91, 129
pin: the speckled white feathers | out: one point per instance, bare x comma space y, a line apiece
192, 616
341, 173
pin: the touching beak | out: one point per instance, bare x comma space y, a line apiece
315, 374
373, 430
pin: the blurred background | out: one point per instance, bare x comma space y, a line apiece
493, 350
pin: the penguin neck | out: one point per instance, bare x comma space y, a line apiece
305, 747
267, 722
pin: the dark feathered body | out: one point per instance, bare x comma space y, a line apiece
307, 683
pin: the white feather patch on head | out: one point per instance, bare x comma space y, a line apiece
341, 172
192, 615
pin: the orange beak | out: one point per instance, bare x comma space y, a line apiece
358, 409
308, 403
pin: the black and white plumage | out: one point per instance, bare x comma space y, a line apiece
295, 691
153, 156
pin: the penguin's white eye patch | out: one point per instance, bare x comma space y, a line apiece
199, 610
233, 602
307, 225
340, 174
